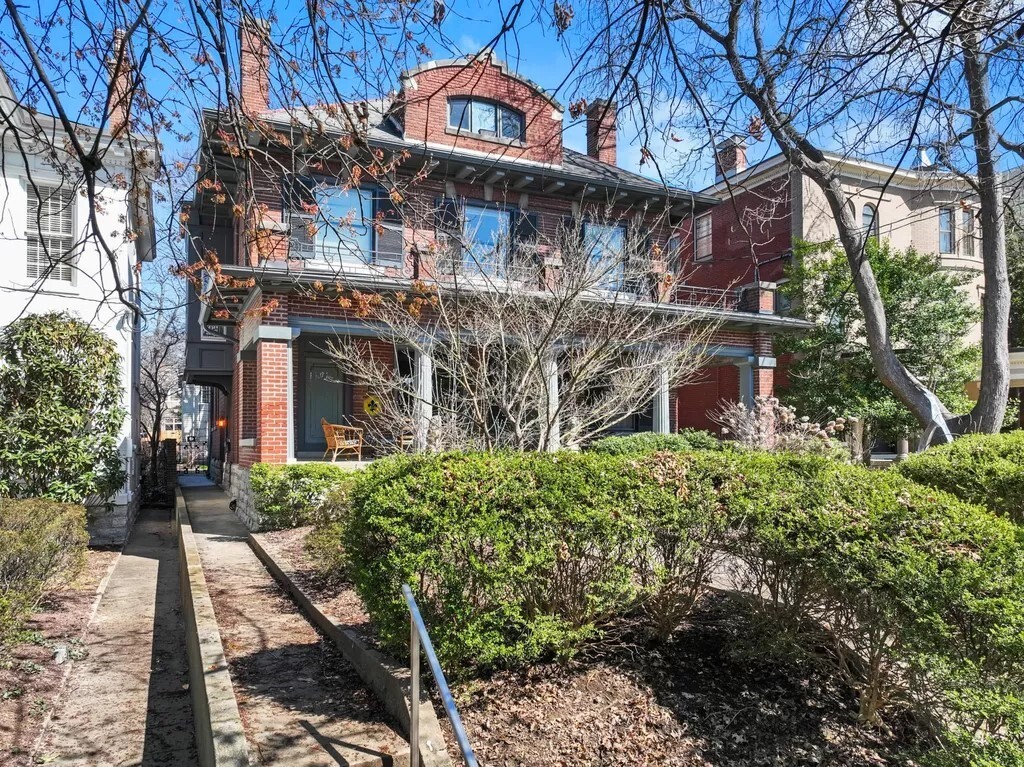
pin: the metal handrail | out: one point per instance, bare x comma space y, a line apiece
417, 635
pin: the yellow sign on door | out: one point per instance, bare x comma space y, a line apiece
372, 406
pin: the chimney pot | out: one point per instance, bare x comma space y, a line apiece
601, 138
730, 157
254, 64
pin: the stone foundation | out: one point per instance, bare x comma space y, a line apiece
235, 482
216, 470
110, 523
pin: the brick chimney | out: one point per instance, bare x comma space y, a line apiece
601, 115
119, 69
254, 65
730, 157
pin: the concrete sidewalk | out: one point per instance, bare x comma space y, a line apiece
301, 702
127, 701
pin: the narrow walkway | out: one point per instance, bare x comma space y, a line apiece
127, 702
301, 702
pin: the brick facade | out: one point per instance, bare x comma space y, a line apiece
273, 348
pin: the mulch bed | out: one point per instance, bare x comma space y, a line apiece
709, 698
30, 678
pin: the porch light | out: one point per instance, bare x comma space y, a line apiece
222, 423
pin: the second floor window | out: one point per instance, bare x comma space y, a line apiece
607, 247
339, 225
947, 231
486, 234
967, 224
702, 237
486, 118
869, 220
50, 233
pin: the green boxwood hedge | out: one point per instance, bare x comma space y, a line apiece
987, 469
516, 557
42, 546
918, 597
296, 494
684, 441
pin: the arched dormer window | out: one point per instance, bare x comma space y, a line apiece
487, 118
869, 220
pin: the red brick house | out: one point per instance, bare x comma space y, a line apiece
467, 130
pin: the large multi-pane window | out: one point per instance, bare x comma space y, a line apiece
330, 222
702, 237
486, 232
487, 118
606, 245
947, 231
50, 233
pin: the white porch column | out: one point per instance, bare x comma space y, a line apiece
551, 401
746, 383
661, 419
423, 407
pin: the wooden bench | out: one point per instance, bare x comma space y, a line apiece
343, 440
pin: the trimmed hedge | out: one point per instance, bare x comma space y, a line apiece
916, 597
296, 494
987, 469
684, 441
518, 557
42, 546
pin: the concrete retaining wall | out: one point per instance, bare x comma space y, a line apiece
389, 680
220, 739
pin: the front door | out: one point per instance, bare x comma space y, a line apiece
325, 395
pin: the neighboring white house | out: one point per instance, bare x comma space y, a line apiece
42, 205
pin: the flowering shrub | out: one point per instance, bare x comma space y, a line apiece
770, 425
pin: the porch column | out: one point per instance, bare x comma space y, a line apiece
549, 369
423, 406
661, 419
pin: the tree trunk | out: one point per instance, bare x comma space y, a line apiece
987, 414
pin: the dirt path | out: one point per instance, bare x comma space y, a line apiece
126, 702
301, 703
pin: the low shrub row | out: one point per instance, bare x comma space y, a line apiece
914, 597
296, 494
987, 469
42, 546
683, 441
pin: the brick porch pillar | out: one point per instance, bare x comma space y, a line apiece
273, 385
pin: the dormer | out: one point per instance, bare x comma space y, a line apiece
478, 104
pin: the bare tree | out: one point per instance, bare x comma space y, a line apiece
544, 349
162, 364
806, 74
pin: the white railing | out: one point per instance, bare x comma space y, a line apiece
418, 636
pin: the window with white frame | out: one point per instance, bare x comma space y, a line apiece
487, 118
204, 395
486, 232
967, 238
606, 244
947, 231
50, 233
870, 222
702, 237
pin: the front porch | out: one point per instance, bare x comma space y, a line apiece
287, 382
